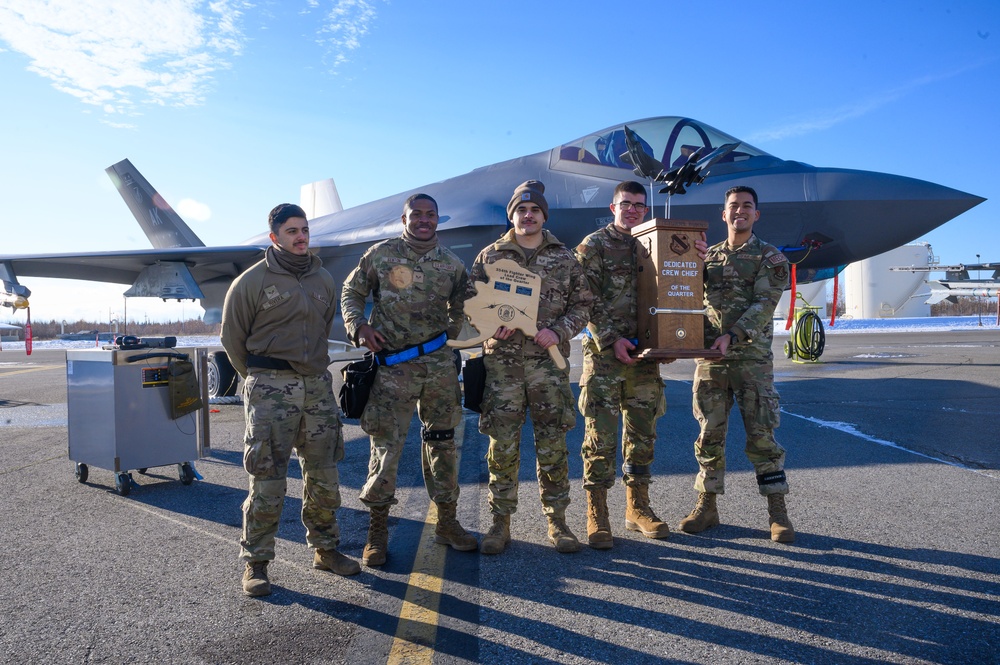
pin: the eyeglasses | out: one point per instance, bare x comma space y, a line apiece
628, 205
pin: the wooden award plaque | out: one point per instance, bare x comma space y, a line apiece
670, 290
509, 299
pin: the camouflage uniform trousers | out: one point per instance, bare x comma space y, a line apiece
432, 387
751, 383
286, 410
611, 391
513, 381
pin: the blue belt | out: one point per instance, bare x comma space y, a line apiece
390, 358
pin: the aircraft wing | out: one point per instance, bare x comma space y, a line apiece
125, 267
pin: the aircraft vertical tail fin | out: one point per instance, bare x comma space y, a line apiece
320, 198
164, 227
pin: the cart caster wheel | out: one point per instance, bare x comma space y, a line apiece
82, 472
186, 473
788, 349
143, 470
123, 483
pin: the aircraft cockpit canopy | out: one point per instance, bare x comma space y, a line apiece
671, 140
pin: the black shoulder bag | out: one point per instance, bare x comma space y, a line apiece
358, 379
474, 380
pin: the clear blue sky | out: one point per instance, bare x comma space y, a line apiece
229, 107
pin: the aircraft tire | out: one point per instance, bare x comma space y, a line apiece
222, 377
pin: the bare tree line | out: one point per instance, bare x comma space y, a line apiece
965, 307
51, 329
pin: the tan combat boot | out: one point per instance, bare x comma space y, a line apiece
781, 526
639, 516
598, 523
255, 582
495, 541
335, 562
561, 536
449, 532
378, 537
704, 516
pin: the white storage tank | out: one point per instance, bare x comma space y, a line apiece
875, 292
814, 294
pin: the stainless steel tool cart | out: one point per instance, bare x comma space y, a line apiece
121, 414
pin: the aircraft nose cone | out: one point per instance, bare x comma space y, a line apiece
939, 203
869, 213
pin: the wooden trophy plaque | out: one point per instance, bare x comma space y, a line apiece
670, 290
509, 299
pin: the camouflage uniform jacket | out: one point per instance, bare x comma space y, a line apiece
270, 312
742, 288
415, 297
565, 299
608, 260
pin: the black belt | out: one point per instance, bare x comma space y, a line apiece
389, 358
263, 362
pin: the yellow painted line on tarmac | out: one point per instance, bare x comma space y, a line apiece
30, 369
418, 616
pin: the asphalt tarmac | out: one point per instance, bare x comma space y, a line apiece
893, 447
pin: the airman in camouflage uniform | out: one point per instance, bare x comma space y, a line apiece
614, 386
275, 324
519, 372
418, 288
744, 278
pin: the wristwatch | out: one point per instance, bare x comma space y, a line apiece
732, 338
